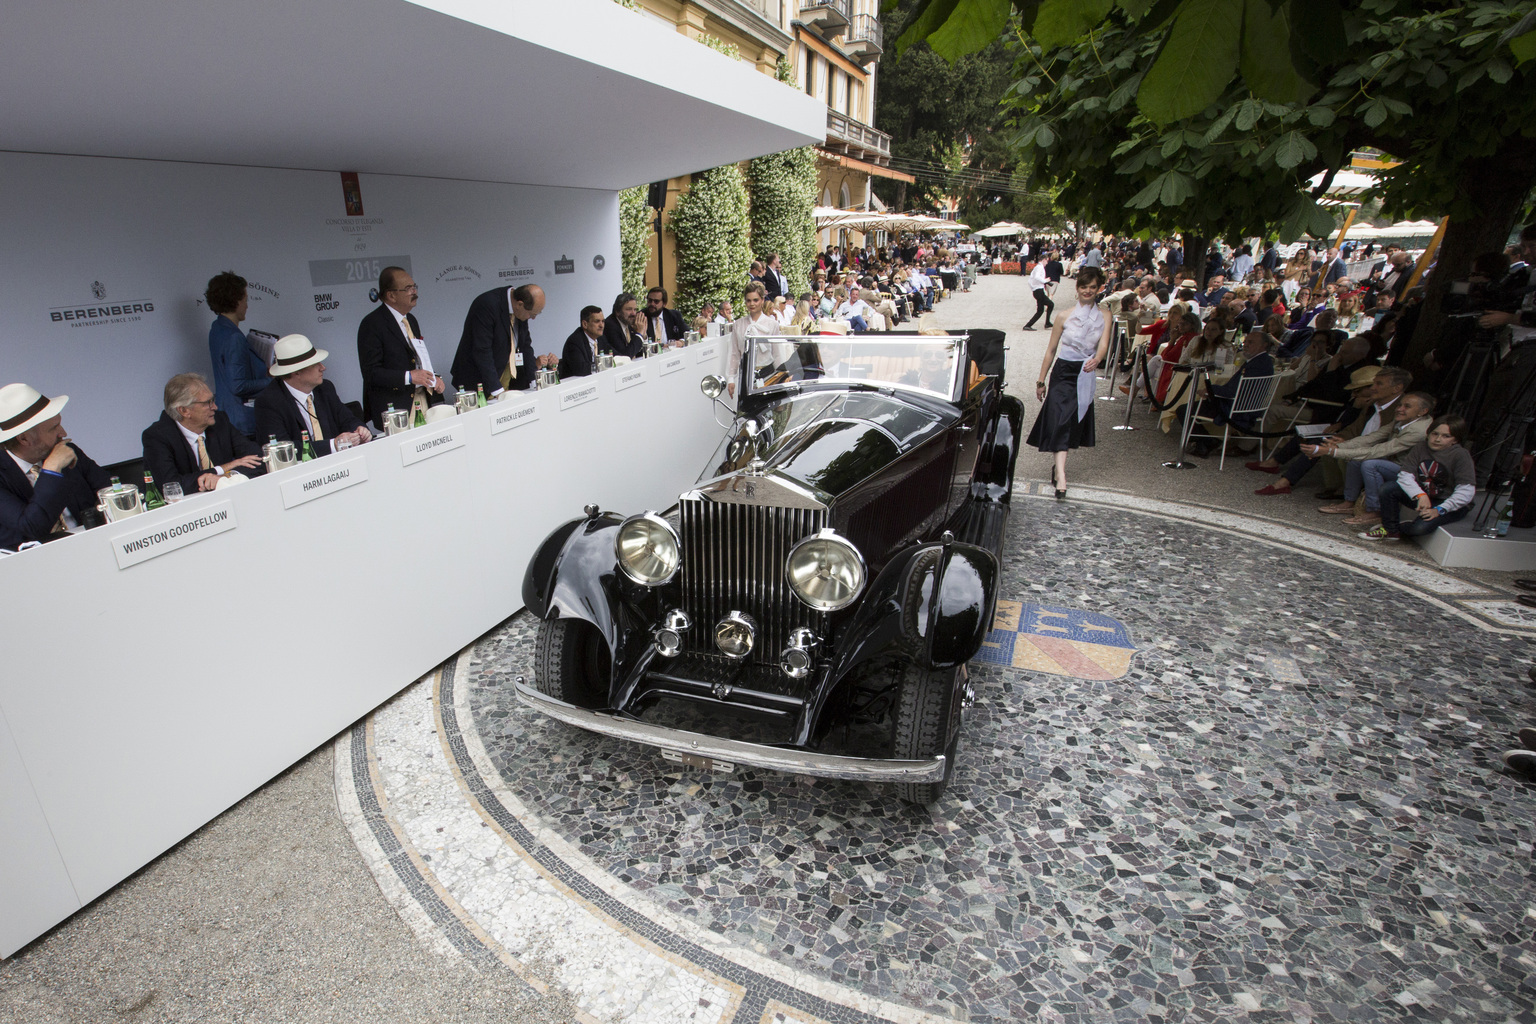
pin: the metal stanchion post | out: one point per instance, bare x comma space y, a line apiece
1130, 401
1112, 356
1196, 374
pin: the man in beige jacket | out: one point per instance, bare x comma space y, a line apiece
1408, 427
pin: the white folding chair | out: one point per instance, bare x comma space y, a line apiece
1254, 395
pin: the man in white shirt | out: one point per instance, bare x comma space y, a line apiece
1043, 304
193, 443
855, 311
1242, 264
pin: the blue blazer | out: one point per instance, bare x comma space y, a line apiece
238, 373
28, 513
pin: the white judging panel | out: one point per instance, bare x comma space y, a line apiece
423, 444
156, 534
322, 480
671, 364
518, 415
627, 377
579, 396
707, 352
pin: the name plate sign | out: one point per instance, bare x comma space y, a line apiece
514, 416
579, 396
318, 482
671, 364
707, 352
421, 444
628, 377
163, 533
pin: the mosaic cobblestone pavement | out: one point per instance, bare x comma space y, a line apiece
1273, 794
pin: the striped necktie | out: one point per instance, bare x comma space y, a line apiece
314, 421
203, 462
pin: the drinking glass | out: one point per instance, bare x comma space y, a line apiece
341, 444
171, 492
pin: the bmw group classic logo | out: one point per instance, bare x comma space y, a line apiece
598, 263
373, 295
99, 290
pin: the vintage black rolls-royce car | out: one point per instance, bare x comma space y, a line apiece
811, 604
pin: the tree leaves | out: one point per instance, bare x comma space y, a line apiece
1523, 47
1292, 148
1060, 22
1266, 59
932, 18
1196, 63
1168, 189
971, 26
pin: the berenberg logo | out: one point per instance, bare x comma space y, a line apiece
99, 290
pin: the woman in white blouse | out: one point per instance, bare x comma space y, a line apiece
1081, 339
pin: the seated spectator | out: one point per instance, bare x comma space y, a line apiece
783, 311
1188, 333
1243, 317
701, 322
1217, 404
46, 483
301, 399
853, 310
1370, 457
579, 356
1304, 309
1270, 304
1436, 478
1330, 385
1375, 394
726, 316
193, 443
1214, 292
619, 334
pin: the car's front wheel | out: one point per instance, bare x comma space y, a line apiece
571, 662
922, 728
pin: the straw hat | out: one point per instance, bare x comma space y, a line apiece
293, 352
23, 407
1362, 377
830, 326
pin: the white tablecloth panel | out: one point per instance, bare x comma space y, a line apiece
138, 703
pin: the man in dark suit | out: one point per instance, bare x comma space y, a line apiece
774, 279
487, 357
662, 324
193, 443
393, 357
619, 334
301, 400
579, 357
46, 483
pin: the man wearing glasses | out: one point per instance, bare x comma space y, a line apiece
392, 354
662, 324
193, 443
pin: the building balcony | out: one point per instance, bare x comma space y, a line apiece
846, 135
863, 40
829, 17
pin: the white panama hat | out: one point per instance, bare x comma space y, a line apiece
23, 407
293, 352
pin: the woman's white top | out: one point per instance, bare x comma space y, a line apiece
1080, 334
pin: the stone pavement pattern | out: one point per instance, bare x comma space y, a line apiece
1233, 828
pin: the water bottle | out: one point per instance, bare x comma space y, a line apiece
1508, 515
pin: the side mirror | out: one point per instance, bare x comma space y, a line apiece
713, 386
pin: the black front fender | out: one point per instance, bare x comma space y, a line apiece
994, 472
574, 574
899, 615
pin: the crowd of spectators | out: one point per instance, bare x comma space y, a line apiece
1389, 467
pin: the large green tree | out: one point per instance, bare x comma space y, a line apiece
929, 104
1227, 102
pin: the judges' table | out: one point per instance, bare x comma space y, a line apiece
160, 668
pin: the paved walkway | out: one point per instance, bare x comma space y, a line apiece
1216, 793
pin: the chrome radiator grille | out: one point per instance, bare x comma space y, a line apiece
733, 558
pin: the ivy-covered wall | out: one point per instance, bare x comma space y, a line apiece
713, 255
635, 219
782, 188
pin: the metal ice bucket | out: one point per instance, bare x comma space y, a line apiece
120, 502
691, 338
653, 348
605, 360
548, 377
466, 401
396, 421
279, 455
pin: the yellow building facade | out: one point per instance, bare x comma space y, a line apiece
834, 49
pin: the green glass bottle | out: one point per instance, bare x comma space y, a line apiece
421, 419
152, 497
480, 394
308, 452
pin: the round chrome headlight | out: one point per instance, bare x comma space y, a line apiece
648, 549
825, 571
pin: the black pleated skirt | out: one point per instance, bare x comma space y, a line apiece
1057, 428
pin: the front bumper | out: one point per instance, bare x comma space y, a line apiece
781, 759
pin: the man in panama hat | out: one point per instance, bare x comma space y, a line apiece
302, 400
46, 483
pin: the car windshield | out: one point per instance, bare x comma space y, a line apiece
924, 362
